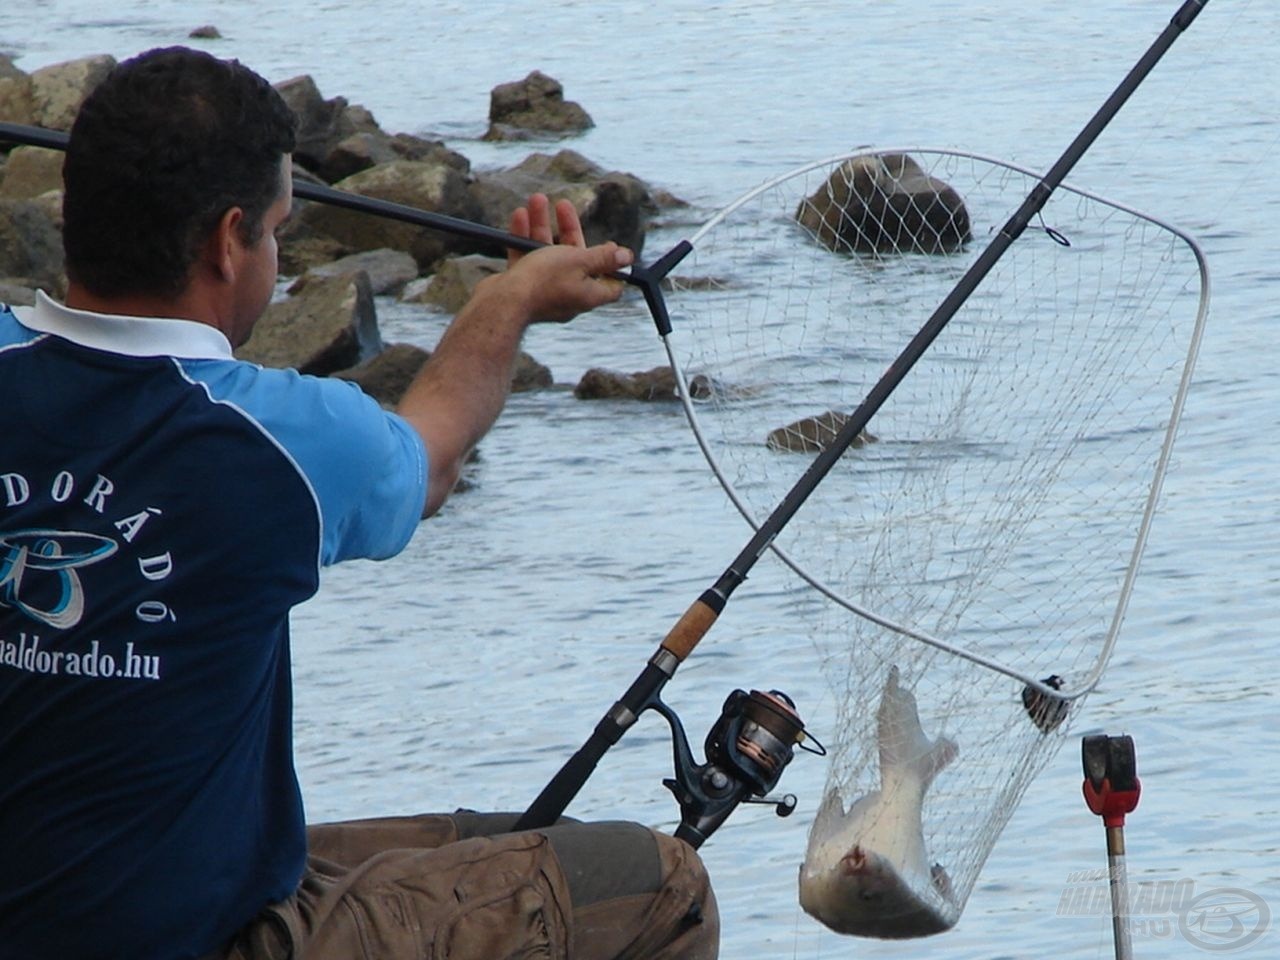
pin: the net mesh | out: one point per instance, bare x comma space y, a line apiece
985, 529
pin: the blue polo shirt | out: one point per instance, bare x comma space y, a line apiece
163, 506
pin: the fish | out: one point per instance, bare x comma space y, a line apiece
866, 872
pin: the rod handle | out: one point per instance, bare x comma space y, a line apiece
692, 626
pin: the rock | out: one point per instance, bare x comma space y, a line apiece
435, 187
360, 151
885, 203
454, 281
206, 32
656, 384
322, 124
17, 292
30, 172
386, 376
8, 69
302, 251
612, 205
409, 147
529, 375
337, 139
30, 243
332, 325
366, 149
17, 94
58, 90
533, 107
388, 270
813, 434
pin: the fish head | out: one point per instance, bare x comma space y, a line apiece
864, 894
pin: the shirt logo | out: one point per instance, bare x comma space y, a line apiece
47, 561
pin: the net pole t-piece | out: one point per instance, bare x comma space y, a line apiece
1111, 790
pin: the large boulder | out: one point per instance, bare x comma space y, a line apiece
58, 90
30, 244
337, 139
30, 172
17, 99
433, 186
534, 107
885, 203
322, 124
612, 205
331, 325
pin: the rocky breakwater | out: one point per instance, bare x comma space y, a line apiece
343, 261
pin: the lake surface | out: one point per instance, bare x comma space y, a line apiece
466, 670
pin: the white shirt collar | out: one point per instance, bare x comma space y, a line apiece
132, 336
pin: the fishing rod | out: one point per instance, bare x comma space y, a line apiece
701, 615
645, 278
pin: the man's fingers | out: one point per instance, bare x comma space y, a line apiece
520, 221
570, 226
540, 218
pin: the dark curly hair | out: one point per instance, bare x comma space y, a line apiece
169, 142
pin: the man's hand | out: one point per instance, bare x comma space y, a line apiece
561, 281
460, 391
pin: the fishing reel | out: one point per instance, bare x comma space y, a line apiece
747, 749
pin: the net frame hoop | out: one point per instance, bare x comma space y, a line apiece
1091, 679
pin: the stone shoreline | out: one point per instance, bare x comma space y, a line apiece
342, 259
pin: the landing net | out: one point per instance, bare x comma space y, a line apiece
985, 534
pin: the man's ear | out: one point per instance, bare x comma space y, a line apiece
224, 245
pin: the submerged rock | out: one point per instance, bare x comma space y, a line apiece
386, 376
656, 384
885, 203
813, 434
534, 107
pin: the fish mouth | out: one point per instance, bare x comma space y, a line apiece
857, 862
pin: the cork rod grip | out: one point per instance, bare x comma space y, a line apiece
689, 629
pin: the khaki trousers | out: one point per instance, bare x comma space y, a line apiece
463, 887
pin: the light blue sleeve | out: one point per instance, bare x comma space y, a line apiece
366, 466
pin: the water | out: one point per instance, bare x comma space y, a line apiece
465, 671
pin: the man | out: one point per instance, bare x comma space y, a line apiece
163, 506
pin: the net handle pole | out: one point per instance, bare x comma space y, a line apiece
702, 614
304, 190
645, 278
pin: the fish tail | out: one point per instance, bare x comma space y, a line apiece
903, 744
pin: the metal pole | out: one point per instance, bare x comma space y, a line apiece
1111, 789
